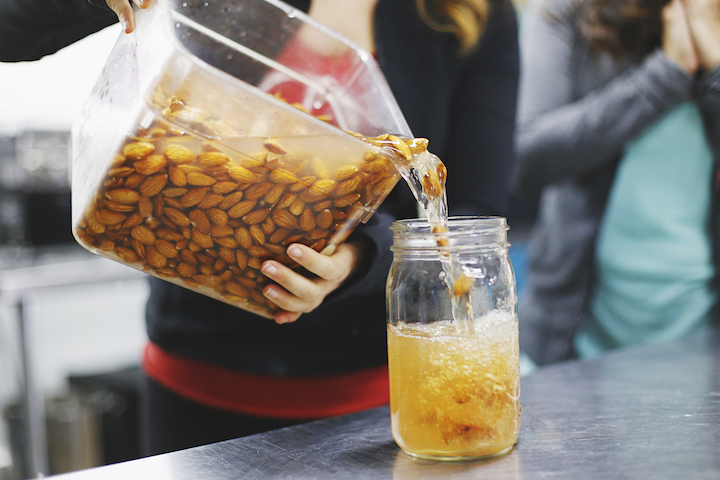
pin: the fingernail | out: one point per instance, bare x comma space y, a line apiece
271, 292
269, 269
294, 252
126, 25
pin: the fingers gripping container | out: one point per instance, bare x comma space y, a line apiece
220, 132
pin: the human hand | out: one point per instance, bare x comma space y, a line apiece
677, 41
704, 20
124, 11
297, 294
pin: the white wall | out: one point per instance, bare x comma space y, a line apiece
48, 94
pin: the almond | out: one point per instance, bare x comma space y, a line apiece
201, 239
274, 194
304, 183
188, 256
178, 154
280, 175
123, 195
227, 255
119, 207
348, 186
186, 270
377, 165
177, 217
230, 200
257, 190
257, 234
256, 216
260, 252
285, 219
217, 216
143, 235
145, 207
242, 259
324, 219
224, 187
243, 237
167, 234
177, 176
153, 185
151, 165
193, 197
297, 207
227, 242
242, 208
200, 220
318, 233
273, 146
137, 150
343, 173
132, 220
155, 258
307, 220
120, 172
166, 248
210, 200
322, 205
279, 235
462, 285
237, 289
107, 217
126, 254
212, 158
268, 226
242, 175
200, 179
286, 200
221, 231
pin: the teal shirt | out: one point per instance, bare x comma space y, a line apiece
654, 250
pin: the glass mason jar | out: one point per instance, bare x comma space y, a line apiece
454, 383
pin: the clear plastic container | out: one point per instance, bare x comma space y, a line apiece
218, 133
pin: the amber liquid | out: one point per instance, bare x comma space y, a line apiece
455, 395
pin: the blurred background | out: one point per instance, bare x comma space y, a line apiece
71, 326
71, 323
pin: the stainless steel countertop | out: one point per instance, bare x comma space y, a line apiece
644, 413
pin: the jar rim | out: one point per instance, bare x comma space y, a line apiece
488, 222
465, 232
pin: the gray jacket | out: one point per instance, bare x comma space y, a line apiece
577, 111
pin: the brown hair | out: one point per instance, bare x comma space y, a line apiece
622, 28
466, 19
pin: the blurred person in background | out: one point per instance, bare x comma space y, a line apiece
619, 127
217, 372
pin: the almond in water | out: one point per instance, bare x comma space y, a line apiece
204, 217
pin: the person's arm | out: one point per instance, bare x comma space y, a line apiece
479, 151
31, 29
561, 137
704, 22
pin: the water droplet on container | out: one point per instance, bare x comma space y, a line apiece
184, 4
205, 4
229, 56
